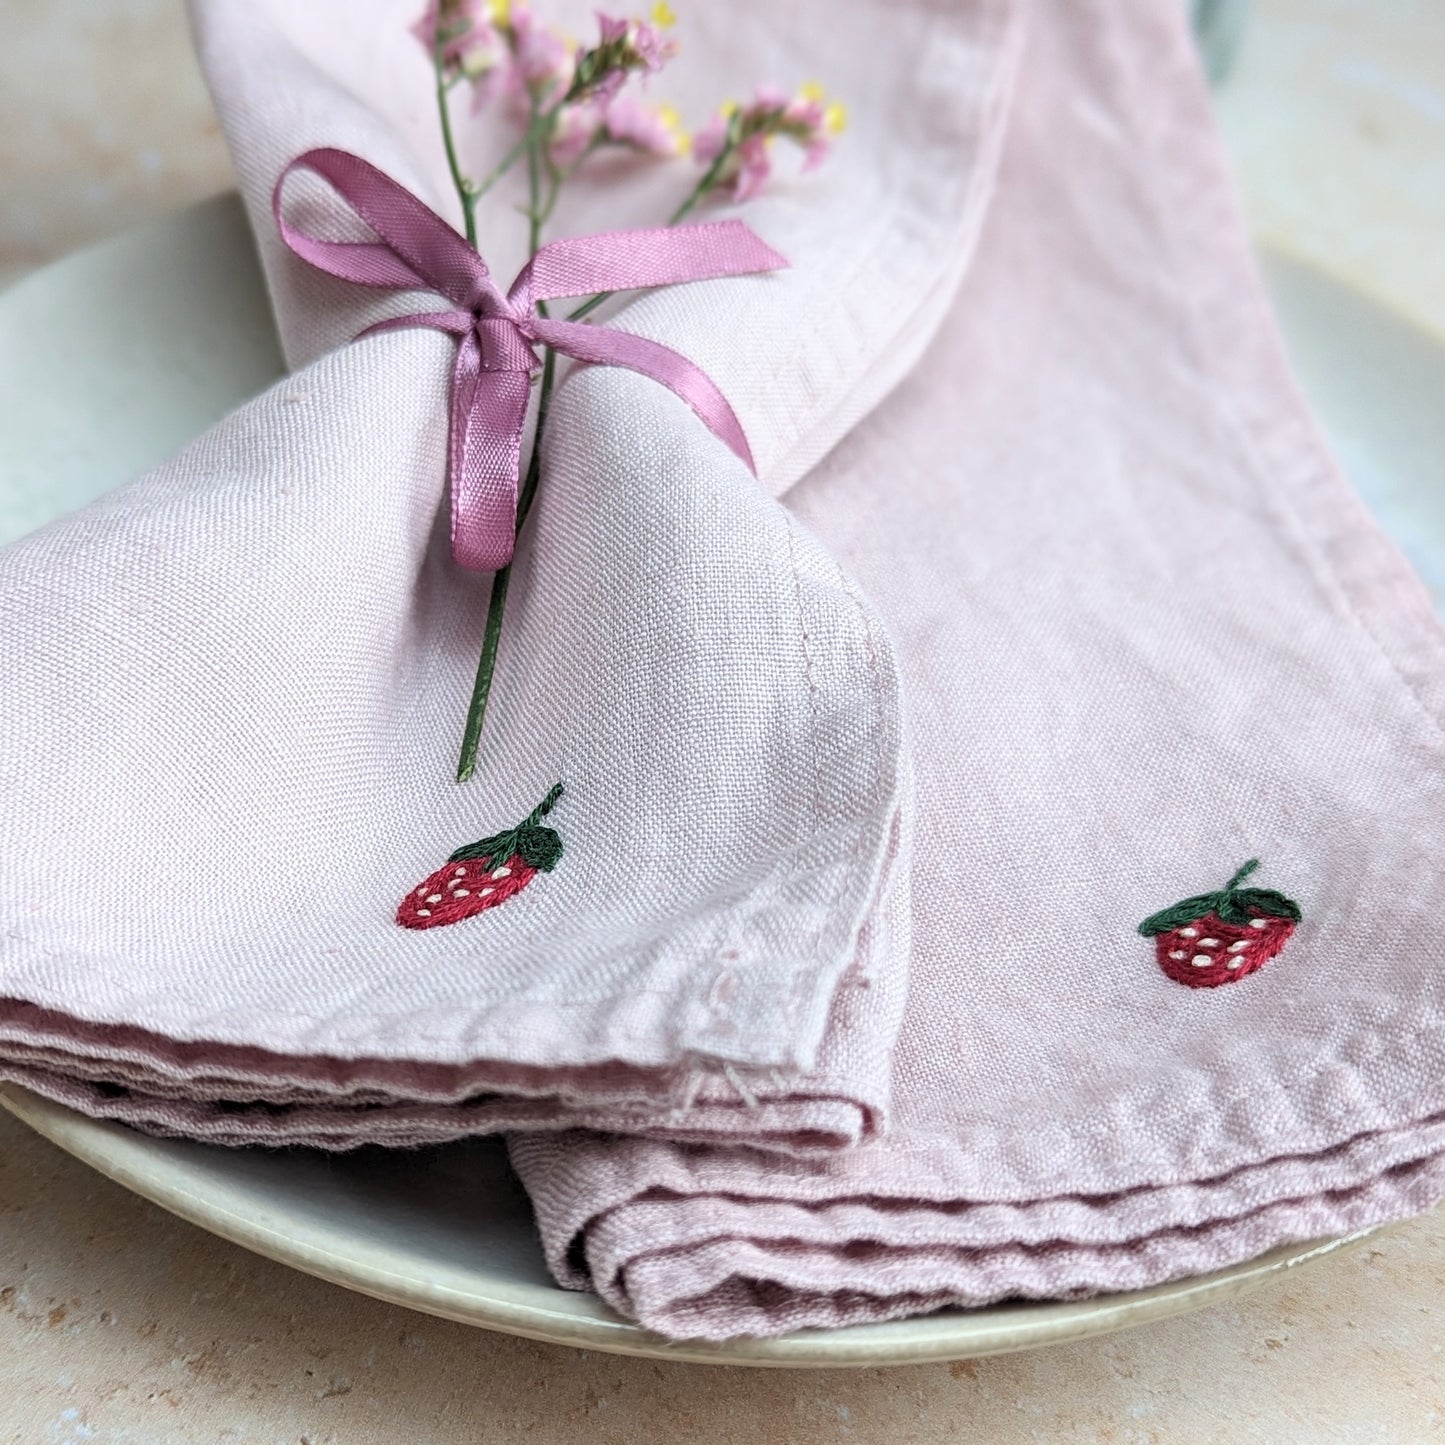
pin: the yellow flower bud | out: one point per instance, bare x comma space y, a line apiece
835, 119
811, 91
662, 14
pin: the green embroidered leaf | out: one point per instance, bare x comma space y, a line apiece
1236, 906
1231, 910
1185, 911
540, 848
1266, 901
500, 846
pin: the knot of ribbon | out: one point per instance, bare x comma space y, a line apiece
498, 333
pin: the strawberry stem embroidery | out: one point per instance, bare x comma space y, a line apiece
483, 874
1216, 938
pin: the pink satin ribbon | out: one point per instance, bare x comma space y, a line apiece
496, 359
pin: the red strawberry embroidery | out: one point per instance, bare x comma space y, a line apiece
1221, 937
485, 873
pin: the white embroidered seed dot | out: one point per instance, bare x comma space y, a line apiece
1234, 963
434, 898
1201, 960
462, 893
421, 890
1259, 923
1240, 946
423, 913
1209, 943
460, 873
1178, 953
1189, 933
501, 872
485, 891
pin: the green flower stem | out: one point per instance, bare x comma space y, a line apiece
503, 166
537, 140
486, 665
708, 181
497, 605
536, 144
470, 192
466, 191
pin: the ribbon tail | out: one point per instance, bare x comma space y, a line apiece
605, 346
488, 409
625, 260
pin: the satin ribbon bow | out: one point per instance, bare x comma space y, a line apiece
496, 356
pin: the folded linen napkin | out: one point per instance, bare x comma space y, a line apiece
1145, 633
234, 687
1070, 627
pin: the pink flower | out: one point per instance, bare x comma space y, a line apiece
653, 130
623, 47
708, 143
739, 140
541, 57
582, 126
651, 46
577, 127
465, 34
610, 29
754, 167
644, 44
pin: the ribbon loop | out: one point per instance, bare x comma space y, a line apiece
496, 356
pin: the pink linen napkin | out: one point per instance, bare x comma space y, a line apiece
234, 688
1065, 630
1145, 633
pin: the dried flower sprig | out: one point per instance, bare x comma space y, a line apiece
735, 145
465, 35
624, 47
624, 121
574, 101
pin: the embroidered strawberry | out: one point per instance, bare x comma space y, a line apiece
485, 873
1221, 937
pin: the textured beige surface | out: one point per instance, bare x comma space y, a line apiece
120, 1324
1336, 120
103, 121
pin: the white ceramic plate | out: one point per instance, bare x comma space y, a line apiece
91, 394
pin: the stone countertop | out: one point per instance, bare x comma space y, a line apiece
119, 1323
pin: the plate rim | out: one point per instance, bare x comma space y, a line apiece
563, 1317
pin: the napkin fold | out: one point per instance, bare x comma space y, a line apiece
1146, 633
236, 686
